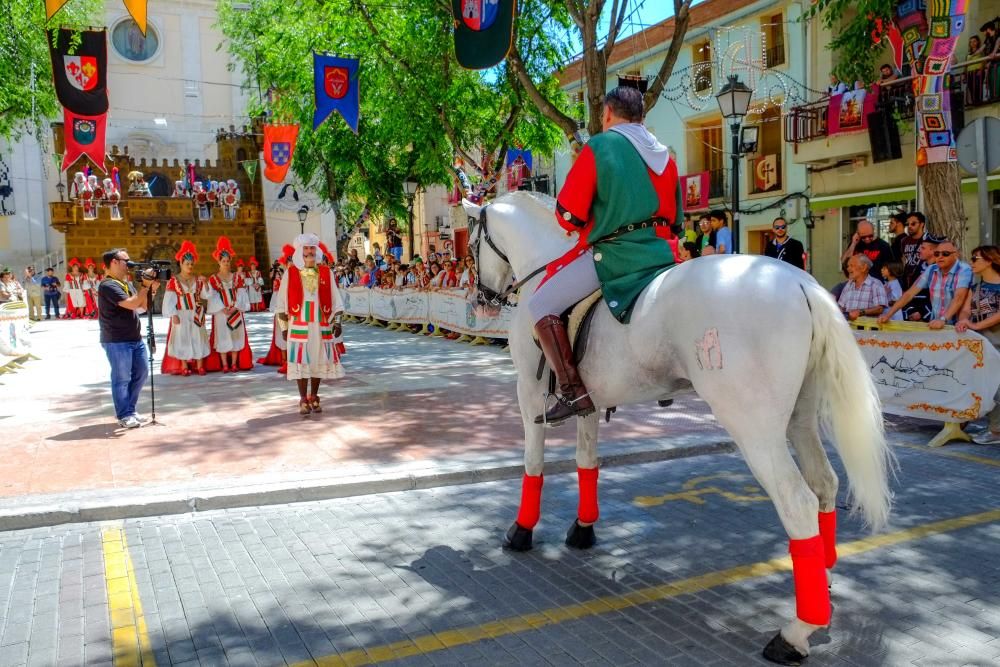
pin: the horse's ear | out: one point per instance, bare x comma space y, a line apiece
471, 210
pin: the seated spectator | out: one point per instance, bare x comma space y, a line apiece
687, 251
839, 287
374, 273
836, 87
388, 280
887, 74
450, 274
948, 280
402, 271
890, 276
468, 277
863, 294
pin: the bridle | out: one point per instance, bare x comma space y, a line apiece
488, 296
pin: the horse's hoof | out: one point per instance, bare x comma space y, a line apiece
580, 537
780, 651
517, 538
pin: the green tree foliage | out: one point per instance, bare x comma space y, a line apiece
27, 95
851, 23
418, 107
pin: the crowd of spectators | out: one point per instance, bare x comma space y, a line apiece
440, 271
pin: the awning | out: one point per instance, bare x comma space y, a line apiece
887, 195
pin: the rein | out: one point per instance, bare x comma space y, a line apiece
489, 295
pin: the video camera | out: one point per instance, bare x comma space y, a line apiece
155, 269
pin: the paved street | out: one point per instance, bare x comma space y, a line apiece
417, 578
690, 566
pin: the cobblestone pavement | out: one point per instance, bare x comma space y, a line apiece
686, 577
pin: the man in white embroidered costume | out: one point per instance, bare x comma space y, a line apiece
308, 307
227, 301
187, 339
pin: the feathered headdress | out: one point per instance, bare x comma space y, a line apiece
326, 251
187, 251
223, 247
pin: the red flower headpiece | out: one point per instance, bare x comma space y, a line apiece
90, 263
187, 251
239, 262
74, 262
253, 261
223, 246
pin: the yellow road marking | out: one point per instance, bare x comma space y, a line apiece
985, 460
513, 625
693, 494
129, 637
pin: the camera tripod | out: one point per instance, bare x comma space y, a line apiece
151, 349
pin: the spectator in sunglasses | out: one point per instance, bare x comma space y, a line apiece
864, 243
948, 280
783, 247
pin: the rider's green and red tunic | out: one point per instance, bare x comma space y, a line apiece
608, 188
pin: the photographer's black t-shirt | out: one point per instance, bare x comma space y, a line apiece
118, 325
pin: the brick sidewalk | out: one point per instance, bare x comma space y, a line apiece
408, 402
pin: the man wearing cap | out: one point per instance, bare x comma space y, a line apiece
948, 280
308, 308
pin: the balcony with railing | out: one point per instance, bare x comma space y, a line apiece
775, 55
717, 183
972, 84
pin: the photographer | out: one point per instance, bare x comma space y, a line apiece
119, 306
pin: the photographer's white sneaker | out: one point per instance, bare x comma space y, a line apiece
142, 419
129, 422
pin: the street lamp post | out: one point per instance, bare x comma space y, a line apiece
734, 102
303, 213
410, 189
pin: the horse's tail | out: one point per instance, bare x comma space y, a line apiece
850, 409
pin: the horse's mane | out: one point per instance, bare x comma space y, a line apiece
544, 203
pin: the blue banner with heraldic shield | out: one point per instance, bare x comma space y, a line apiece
479, 14
281, 151
84, 131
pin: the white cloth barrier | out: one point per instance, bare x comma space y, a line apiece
940, 375
450, 309
14, 338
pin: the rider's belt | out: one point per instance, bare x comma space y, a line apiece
633, 227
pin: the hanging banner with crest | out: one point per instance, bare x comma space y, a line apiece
80, 76
279, 144
250, 167
484, 31
336, 89
84, 136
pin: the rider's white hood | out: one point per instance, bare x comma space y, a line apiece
655, 154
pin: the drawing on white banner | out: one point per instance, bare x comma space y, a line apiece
903, 376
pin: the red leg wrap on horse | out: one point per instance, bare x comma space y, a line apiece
828, 531
587, 511
531, 501
812, 596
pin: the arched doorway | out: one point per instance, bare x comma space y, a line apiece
158, 184
162, 252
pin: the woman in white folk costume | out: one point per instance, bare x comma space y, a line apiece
91, 281
187, 339
308, 306
255, 286
227, 300
76, 301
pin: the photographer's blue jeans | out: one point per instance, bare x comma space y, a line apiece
128, 374
52, 301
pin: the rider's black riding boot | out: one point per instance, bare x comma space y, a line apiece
573, 398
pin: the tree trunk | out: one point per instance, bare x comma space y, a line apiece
942, 200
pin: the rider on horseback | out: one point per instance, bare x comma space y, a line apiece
621, 196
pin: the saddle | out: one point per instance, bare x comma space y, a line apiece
577, 319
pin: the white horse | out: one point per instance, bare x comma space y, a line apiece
759, 340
